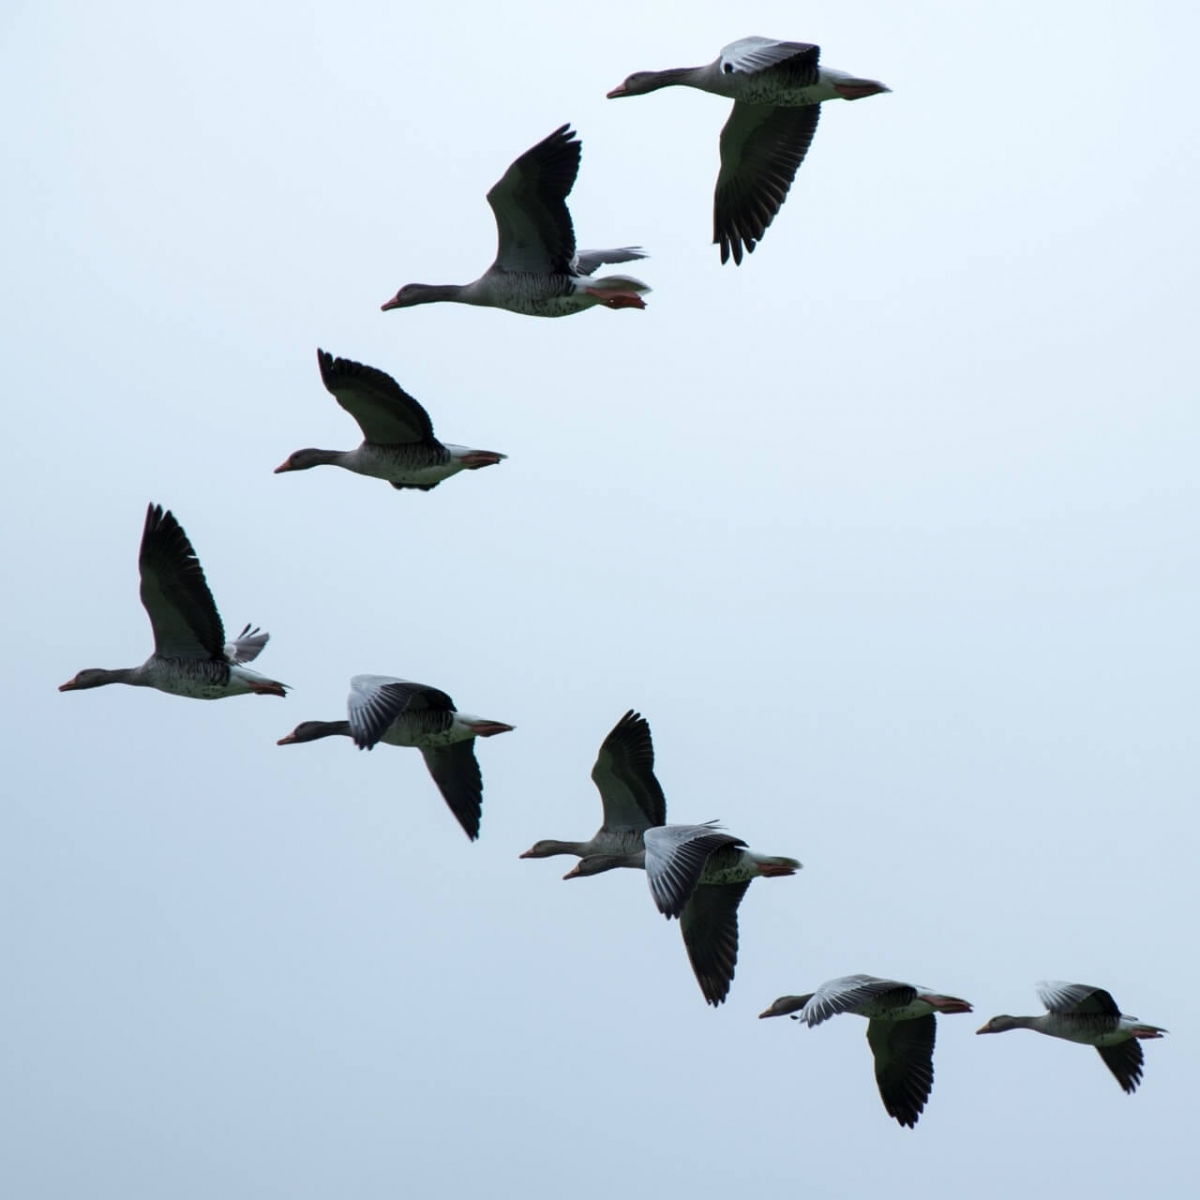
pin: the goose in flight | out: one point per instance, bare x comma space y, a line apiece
191, 656
901, 1031
538, 271
398, 443
1090, 1015
384, 709
699, 874
631, 797
777, 89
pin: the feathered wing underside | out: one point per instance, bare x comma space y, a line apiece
1077, 999
385, 412
903, 1053
533, 225
710, 932
624, 776
375, 701
175, 593
847, 993
455, 770
586, 261
247, 646
1124, 1060
799, 60
761, 150
675, 859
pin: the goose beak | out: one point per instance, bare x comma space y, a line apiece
69, 686
573, 873
394, 302
619, 90
290, 740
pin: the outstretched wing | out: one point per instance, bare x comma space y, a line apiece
761, 150
586, 261
175, 593
530, 204
1077, 998
1124, 1060
903, 1053
710, 932
455, 770
624, 775
675, 860
385, 412
847, 993
247, 646
797, 61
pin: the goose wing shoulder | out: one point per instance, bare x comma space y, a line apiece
624, 776
375, 701
676, 856
385, 412
175, 594
533, 224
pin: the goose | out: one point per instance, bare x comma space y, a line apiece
398, 443
777, 89
631, 796
1090, 1015
538, 271
699, 874
191, 657
901, 1031
401, 713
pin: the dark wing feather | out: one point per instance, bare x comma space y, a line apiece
761, 150
710, 932
903, 1053
456, 772
376, 701
624, 776
175, 593
530, 204
1077, 999
1124, 1060
385, 412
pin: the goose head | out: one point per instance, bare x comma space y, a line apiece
93, 677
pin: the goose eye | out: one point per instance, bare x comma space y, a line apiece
729, 68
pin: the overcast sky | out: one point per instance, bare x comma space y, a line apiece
889, 533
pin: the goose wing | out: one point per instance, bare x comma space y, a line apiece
530, 205
710, 932
247, 646
848, 993
455, 770
903, 1053
1077, 999
761, 150
748, 56
586, 261
385, 412
375, 701
175, 593
624, 776
675, 860
1124, 1060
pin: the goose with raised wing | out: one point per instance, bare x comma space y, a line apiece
901, 1031
631, 796
398, 712
699, 874
398, 443
538, 271
191, 657
777, 90
1081, 1013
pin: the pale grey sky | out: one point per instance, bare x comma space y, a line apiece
889, 533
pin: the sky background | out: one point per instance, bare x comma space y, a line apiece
889, 533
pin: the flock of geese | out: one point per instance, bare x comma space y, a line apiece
697, 873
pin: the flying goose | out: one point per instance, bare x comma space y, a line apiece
400, 713
901, 1030
699, 874
398, 443
537, 271
631, 796
1080, 1013
191, 656
777, 89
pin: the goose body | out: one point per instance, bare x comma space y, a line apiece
538, 272
398, 442
698, 874
901, 1032
631, 796
777, 89
398, 712
191, 657
1089, 1015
